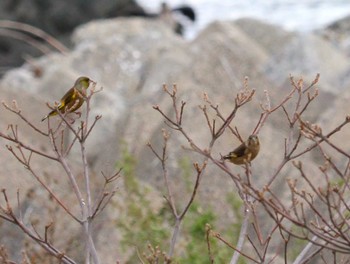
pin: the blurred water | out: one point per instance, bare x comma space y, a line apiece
299, 15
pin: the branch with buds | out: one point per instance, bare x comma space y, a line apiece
61, 148
327, 229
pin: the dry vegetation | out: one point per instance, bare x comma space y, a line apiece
315, 217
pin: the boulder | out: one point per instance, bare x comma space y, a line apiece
131, 59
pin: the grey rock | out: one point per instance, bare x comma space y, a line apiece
132, 58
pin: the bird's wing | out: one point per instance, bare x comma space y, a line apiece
68, 97
239, 151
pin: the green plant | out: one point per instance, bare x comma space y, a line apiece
140, 223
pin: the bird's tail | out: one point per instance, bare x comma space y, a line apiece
228, 156
53, 112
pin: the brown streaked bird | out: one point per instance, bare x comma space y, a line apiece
73, 99
246, 152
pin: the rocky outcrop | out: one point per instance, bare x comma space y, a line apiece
58, 18
132, 58
18, 43
337, 33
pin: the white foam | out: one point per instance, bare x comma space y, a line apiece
305, 15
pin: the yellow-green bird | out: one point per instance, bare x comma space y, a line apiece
246, 152
73, 99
